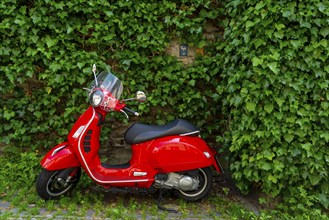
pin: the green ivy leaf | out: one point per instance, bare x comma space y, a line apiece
272, 179
279, 26
324, 200
266, 166
48, 90
259, 42
324, 43
191, 82
274, 67
260, 5
279, 101
256, 61
51, 41
249, 24
250, 106
314, 178
289, 137
268, 108
324, 31
8, 114
307, 146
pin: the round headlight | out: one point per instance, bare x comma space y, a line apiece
96, 98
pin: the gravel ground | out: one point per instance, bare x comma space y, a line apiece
7, 211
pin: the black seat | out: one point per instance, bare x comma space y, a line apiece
138, 133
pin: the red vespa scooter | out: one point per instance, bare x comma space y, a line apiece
171, 156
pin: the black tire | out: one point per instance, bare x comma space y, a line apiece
48, 187
204, 175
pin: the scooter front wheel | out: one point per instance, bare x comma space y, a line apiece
54, 184
204, 177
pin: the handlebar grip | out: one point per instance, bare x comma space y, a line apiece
130, 111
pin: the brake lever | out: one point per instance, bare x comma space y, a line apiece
124, 113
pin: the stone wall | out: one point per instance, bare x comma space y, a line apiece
186, 52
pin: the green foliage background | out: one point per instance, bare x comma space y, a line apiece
47, 49
266, 84
275, 69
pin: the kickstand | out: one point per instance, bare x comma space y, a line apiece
160, 200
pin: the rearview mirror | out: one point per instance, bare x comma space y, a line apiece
140, 96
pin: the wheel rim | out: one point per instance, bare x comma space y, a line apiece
202, 177
55, 188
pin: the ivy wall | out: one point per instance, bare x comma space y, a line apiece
265, 84
274, 90
48, 47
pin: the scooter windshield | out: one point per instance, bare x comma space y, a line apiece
110, 83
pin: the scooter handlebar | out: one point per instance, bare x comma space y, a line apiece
130, 111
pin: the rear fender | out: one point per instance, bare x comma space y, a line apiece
60, 157
179, 153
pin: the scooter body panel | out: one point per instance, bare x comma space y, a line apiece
180, 153
84, 136
60, 157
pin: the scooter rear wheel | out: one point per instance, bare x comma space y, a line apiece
204, 176
54, 184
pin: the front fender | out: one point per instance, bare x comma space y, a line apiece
60, 157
